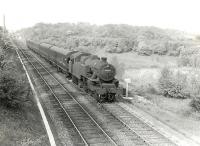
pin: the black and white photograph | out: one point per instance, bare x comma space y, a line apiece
99, 73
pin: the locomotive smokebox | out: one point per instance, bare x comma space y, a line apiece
104, 59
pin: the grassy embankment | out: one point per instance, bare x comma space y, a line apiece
20, 125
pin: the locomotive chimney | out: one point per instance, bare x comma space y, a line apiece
104, 59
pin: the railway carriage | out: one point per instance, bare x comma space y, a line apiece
95, 75
32, 45
57, 57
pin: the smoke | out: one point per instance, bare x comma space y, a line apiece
120, 67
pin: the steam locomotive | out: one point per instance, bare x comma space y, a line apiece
95, 75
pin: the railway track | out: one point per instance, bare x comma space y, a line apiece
148, 134
91, 131
134, 123
135, 132
145, 131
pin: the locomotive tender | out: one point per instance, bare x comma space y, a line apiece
95, 75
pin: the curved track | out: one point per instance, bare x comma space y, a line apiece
91, 131
87, 128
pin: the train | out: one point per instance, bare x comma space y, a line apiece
90, 72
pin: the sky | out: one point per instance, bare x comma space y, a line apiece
183, 15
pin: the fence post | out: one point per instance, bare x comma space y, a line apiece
127, 80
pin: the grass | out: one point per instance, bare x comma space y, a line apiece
176, 106
21, 127
176, 113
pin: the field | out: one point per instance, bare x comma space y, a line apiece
132, 60
139, 68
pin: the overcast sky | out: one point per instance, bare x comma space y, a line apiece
176, 14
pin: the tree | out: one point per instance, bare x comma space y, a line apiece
173, 86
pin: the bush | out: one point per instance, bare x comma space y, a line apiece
184, 61
174, 53
146, 51
173, 86
159, 49
195, 104
12, 90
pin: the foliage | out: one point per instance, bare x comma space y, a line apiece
146, 51
11, 90
2, 62
114, 38
173, 86
190, 56
189, 51
120, 46
184, 61
189, 60
160, 49
195, 104
14, 89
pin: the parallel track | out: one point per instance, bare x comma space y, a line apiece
89, 131
144, 131
134, 123
142, 134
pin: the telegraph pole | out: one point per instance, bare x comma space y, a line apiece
4, 23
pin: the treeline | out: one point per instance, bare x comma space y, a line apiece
112, 38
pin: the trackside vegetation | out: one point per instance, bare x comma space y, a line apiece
14, 88
20, 122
